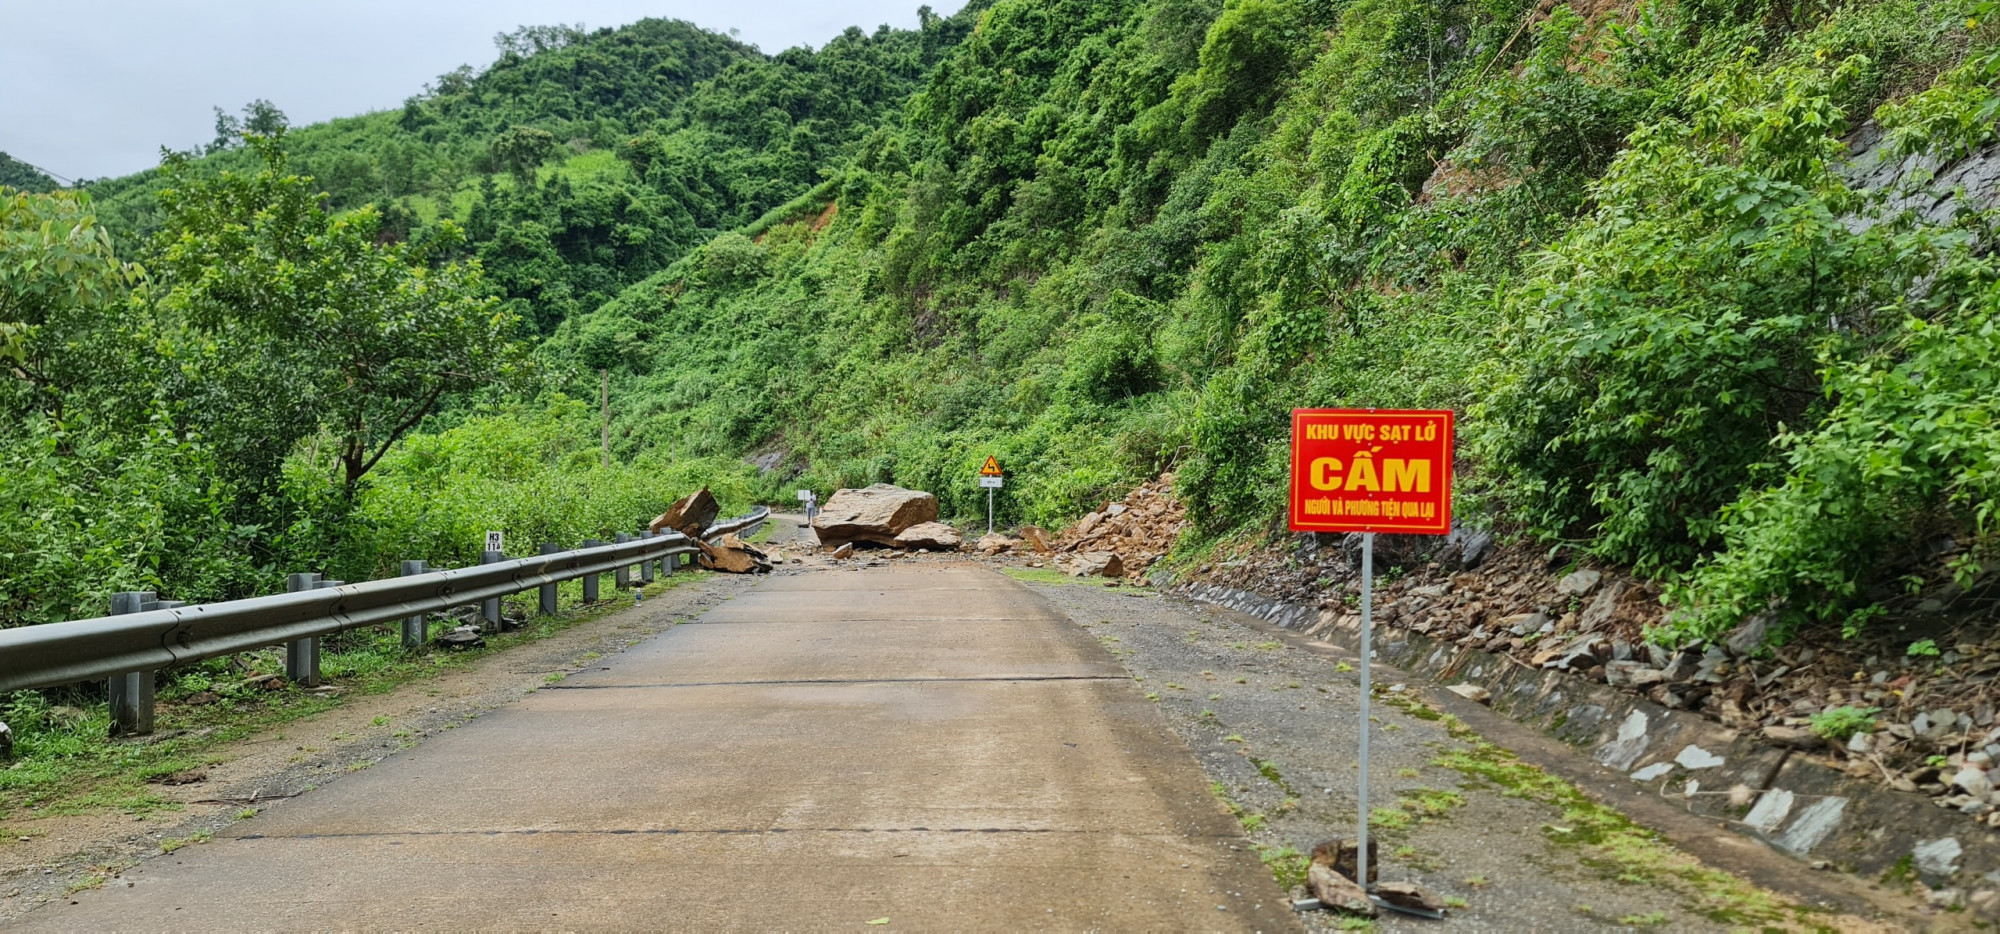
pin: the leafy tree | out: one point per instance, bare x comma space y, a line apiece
521, 150
365, 336
260, 118
60, 283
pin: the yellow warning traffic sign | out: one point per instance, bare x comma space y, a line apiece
992, 468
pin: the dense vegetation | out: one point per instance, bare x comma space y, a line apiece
216, 367
1105, 238
24, 177
1110, 238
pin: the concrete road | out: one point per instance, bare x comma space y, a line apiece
932, 745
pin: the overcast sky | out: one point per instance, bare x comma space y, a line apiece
90, 88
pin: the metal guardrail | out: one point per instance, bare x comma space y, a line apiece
145, 635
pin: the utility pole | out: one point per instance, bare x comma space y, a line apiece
604, 408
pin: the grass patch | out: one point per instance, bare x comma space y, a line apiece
1610, 843
1287, 864
1043, 576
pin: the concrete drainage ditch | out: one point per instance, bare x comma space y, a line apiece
1790, 802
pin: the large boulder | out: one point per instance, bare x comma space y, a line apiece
935, 536
874, 514
690, 515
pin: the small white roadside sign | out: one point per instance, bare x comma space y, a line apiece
493, 542
990, 483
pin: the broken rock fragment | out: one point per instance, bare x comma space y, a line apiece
1338, 892
993, 543
933, 535
1472, 692
690, 515
734, 556
1096, 564
1339, 855
1409, 895
464, 637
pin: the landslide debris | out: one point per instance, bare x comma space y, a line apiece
1124, 537
1912, 703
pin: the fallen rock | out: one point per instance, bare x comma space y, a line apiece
464, 637
1339, 855
993, 543
930, 535
1095, 564
1472, 692
1338, 892
844, 550
690, 515
734, 556
184, 777
1579, 583
875, 514
1601, 609
1409, 895
1792, 737
1974, 782
1037, 539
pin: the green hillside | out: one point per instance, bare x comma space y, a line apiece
19, 175
1687, 329
579, 162
1111, 238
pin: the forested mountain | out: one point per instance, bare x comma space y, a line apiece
1101, 239
1112, 237
309, 346
579, 162
17, 174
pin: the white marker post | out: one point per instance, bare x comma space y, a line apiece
991, 484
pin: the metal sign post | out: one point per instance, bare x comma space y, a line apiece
1369, 471
1367, 624
990, 477
991, 484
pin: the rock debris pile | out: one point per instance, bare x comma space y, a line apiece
1913, 702
1124, 538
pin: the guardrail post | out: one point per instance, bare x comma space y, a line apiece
590, 581
131, 693
646, 566
490, 611
622, 577
302, 655
414, 632
549, 590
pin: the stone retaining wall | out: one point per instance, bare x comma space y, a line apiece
1795, 804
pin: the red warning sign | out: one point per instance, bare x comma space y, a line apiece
1371, 470
992, 468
